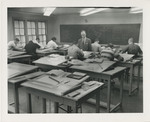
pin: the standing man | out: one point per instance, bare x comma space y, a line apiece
84, 43
132, 48
13, 45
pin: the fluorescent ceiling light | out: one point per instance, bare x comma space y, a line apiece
93, 11
86, 10
136, 10
48, 11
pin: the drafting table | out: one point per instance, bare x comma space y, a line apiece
48, 51
15, 53
51, 61
132, 64
107, 76
17, 69
20, 58
17, 56
50, 89
45, 52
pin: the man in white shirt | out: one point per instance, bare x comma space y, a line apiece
13, 45
52, 44
96, 47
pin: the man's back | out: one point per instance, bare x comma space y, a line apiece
31, 47
132, 49
96, 47
75, 52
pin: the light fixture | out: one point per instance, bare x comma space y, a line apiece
48, 11
86, 10
135, 10
91, 11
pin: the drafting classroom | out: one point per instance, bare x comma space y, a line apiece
75, 60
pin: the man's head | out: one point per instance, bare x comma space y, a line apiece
96, 40
74, 43
110, 45
53, 38
130, 41
16, 40
83, 34
38, 40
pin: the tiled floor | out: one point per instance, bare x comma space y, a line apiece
131, 104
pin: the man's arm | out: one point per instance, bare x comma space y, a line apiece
140, 51
80, 54
15, 48
125, 50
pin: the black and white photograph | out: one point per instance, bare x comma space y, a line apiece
72, 61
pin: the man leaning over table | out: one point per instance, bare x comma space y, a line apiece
32, 46
75, 52
52, 43
13, 45
132, 48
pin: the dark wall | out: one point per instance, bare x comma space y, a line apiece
107, 33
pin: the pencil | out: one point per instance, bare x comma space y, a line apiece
54, 79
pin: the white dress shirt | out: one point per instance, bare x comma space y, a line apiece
11, 45
51, 44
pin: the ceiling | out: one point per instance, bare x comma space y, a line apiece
65, 10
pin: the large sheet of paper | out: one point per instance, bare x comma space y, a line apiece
53, 60
126, 56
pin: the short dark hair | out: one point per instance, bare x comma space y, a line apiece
17, 39
53, 38
83, 31
96, 39
37, 38
110, 45
131, 40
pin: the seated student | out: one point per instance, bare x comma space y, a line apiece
52, 44
109, 53
75, 52
96, 47
132, 48
31, 47
37, 41
13, 45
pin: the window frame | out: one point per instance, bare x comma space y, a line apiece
18, 19
26, 28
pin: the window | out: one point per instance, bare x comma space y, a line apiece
27, 30
31, 30
19, 31
42, 33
